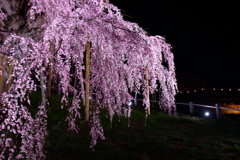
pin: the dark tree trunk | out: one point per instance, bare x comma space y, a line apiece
18, 21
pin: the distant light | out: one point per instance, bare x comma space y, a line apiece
202, 89
129, 103
221, 89
180, 91
207, 114
238, 89
187, 91
229, 89
214, 89
195, 91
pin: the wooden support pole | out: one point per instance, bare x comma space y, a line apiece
83, 96
135, 99
191, 107
59, 89
10, 71
154, 99
50, 70
218, 111
3, 64
42, 84
87, 80
147, 88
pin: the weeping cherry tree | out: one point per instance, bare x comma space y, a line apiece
47, 39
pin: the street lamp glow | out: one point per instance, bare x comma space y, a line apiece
129, 103
207, 114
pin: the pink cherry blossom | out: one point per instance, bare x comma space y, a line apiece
120, 52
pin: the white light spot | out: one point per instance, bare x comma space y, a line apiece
207, 114
129, 103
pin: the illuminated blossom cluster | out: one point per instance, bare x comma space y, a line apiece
120, 52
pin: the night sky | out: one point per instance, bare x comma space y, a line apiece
204, 36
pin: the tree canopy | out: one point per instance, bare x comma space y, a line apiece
48, 38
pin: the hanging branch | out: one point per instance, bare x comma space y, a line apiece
50, 69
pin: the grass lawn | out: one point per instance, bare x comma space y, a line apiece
165, 137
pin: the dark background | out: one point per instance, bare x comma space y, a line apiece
204, 36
